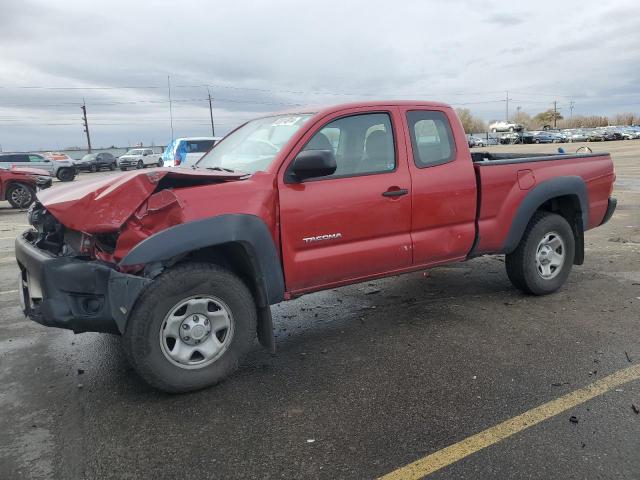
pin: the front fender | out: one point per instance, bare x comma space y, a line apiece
248, 230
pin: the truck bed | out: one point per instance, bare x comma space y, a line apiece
505, 179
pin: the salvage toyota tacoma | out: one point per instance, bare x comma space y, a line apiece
185, 263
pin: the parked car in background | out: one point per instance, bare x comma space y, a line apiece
187, 151
505, 127
139, 158
18, 185
516, 137
596, 136
92, 162
543, 137
576, 135
630, 133
476, 142
63, 170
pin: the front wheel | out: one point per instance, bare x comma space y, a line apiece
542, 261
190, 328
66, 174
20, 195
112, 166
140, 165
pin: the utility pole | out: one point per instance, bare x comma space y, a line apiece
572, 104
86, 125
170, 106
213, 131
507, 118
555, 113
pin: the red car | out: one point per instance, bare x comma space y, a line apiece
18, 186
184, 264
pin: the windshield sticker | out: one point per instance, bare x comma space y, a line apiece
286, 121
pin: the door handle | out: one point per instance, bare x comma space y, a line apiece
396, 192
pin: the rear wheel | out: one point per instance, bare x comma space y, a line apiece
94, 168
20, 195
66, 174
124, 169
112, 166
191, 328
542, 261
160, 163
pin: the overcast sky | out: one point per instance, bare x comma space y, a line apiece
266, 56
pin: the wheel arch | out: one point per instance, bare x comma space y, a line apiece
566, 196
242, 243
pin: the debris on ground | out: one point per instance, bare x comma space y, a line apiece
80, 371
372, 291
635, 408
628, 357
573, 419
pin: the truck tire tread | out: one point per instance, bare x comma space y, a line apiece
518, 263
141, 343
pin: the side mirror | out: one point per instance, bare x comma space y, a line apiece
145, 154
313, 163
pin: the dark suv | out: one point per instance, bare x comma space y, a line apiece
92, 162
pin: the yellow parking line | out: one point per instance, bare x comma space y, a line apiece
453, 453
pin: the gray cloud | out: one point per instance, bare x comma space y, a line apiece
506, 19
264, 56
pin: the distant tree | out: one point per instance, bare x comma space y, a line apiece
470, 123
546, 118
626, 118
579, 121
524, 119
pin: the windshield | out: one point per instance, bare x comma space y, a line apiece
254, 145
89, 156
134, 152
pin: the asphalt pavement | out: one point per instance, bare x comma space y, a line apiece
366, 379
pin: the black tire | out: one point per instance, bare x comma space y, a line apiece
124, 169
521, 265
20, 195
112, 166
142, 342
66, 174
160, 163
140, 165
94, 168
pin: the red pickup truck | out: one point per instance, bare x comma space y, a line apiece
18, 185
185, 263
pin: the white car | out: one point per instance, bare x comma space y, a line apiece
505, 127
186, 151
139, 158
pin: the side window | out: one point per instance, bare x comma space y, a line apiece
431, 138
362, 144
33, 158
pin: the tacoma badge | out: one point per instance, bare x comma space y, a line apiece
318, 238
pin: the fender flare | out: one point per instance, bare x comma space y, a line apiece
248, 230
556, 187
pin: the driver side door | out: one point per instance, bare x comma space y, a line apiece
354, 223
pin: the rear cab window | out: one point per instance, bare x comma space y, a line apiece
431, 138
198, 146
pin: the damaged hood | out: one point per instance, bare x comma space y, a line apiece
104, 204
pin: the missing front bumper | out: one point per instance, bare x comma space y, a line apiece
73, 293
